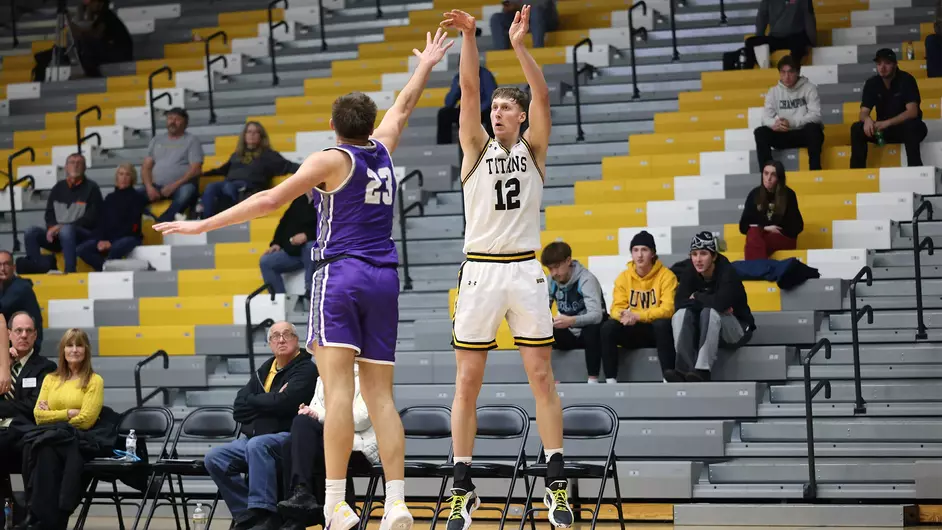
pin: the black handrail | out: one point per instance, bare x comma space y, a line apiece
576, 71
320, 19
811, 488
209, 69
855, 316
379, 10
249, 328
79, 139
272, 26
631, 36
918, 246
723, 19
676, 55
137, 378
403, 210
32, 158
150, 95
16, 39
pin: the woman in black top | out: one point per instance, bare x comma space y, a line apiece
770, 218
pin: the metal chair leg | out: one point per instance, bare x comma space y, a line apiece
621, 515
117, 504
153, 506
86, 506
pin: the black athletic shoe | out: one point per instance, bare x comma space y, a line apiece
302, 506
698, 376
463, 503
556, 500
673, 376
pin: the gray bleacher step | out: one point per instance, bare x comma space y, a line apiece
899, 273
844, 430
824, 408
909, 371
887, 320
870, 391
184, 371
929, 301
834, 450
878, 335
705, 490
919, 353
827, 470
795, 515
904, 258
881, 493
893, 288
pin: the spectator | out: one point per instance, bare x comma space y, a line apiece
580, 305
448, 115
266, 407
303, 458
249, 169
100, 38
934, 44
291, 246
712, 310
642, 308
543, 18
792, 116
118, 230
771, 220
72, 212
173, 164
28, 371
895, 95
17, 294
792, 26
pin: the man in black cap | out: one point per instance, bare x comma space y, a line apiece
895, 95
173, 165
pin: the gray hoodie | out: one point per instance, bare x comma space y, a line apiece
800, 105
580, 297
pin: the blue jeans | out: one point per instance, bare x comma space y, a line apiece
182, 198
275, 264
225, 464
215, 190
70, 235
542, 20
120, 248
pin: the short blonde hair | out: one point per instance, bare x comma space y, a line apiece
131, 171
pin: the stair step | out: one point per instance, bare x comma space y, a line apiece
795, 515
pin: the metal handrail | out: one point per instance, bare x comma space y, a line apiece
811, 487
320, 20
631, 35
723, 19
137, 378
403, 211
209, 69
79, 139
918, 247
855, 316
576, 71
272, 26
676, 55
32, 158
249, 328
379, 9
150, 95
16, 38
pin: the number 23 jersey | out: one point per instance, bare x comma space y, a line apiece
503, 192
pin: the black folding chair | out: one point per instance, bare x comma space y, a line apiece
206, 424
583, 422
498, 422
149, 423
428, 422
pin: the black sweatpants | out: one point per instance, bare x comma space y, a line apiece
810, 136
303, 459
448, 116
796, 44
657, 334
910, 133
589, 338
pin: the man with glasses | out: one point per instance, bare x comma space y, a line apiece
265, 406
16, 294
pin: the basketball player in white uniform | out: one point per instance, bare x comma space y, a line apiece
501, 278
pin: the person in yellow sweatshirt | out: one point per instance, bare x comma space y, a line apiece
642, 307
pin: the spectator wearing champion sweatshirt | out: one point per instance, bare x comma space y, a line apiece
792, 26
581, 308
290, 247
770, 218
792, 116
118, 230
642, 308
72, 212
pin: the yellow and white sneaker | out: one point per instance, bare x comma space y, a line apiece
463, 504
556, 500
342, 518
396, 518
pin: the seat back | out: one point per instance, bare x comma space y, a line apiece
589, 422
505, 422
206, 424
426, 421
149, 423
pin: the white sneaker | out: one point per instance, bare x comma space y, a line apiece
342, 518
396, 518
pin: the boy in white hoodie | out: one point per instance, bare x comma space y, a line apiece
792, 116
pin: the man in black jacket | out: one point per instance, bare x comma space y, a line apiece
290, 248
265, 406
712, 309
16, 294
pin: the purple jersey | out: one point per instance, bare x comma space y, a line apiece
356, 219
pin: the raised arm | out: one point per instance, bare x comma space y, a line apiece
538, 133
471, 134
397, 116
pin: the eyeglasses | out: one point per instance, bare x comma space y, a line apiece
23, 331
277, 337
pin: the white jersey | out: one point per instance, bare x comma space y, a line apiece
503, 192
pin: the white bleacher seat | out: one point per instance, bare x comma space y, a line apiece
889, 4
329, 5
620, 17
45, 176
149, 12
607, 269
285, 33
662, 239
177, 98
294, 283
865, 233
835, 55
70, 314
157, 255
725, 163
598, 57
180, 240
839, 263
822, 74
23, 91
305, 14
141, 27
60, 153
923, 180
134, 117
111, 285
262, 307
609, 36
673, 213
853, 36
112, 136
872, 17
5, 199
704, 187
486, 13
196, 81
250, 46
754, 121
311, 141
742, 139
896, 206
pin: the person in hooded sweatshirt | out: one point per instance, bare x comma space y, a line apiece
770, 218
580, 305
792, 116
792, 26
642, 306
712, 311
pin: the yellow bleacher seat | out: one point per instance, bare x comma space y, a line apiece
926, 29
596, 216
623, 191
584, 242
60, 286
185, 310
722, 99
137, 83
839, 157
44, 138
586, 20
43, 156
219, 282
15, 76
840, 6
116, 341
684, 122
650, 166
814, 236
543, 56
65, 120
666, 144
18, 62
234, 18
195, 49
151, 236
178, 64
357, 67
763, 296
829, 21
263, 229
40, 45
111, 100
430, 18
834, 183
338, 86
283, 142
288, 125
240, 255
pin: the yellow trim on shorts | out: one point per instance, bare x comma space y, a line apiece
501, 258
526, 341
478, 163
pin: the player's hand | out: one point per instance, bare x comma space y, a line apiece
435, 48
181, 227
869, 127
459, 20
520, 27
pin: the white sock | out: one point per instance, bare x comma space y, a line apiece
611, 380
336, 492
462, 460
551, 452
395, 491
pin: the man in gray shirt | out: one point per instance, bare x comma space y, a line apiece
173, 165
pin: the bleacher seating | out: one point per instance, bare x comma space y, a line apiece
678, 160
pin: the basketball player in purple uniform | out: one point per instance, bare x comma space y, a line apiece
354, 303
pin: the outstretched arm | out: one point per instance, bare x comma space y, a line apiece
397, 116
470, 132
538, 133
318, 168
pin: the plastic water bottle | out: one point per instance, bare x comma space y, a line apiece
742, 59
130, 445
200, 517
8, 514
880, 140
910, 52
